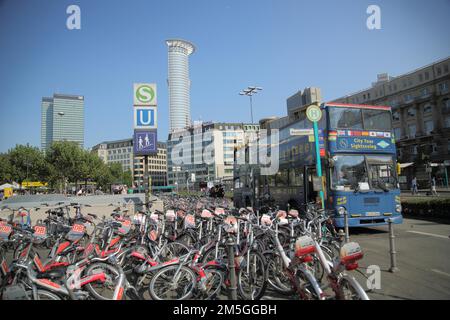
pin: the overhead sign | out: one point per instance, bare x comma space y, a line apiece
144, 94
302, 132
314, 113
145, 142
145, 118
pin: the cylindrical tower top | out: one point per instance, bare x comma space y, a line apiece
188, 46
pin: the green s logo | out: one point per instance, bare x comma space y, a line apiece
145, 94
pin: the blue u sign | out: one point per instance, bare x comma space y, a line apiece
145, 118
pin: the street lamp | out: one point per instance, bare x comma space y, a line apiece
250, 91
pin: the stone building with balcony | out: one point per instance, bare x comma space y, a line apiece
420, 102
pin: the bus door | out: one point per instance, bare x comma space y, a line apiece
310, 194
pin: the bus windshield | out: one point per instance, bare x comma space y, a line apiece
360, 119
358, 172
349, 172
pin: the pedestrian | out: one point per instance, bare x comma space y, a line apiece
433, 187
414, 186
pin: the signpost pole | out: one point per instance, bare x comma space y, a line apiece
318, 161
147, 198
314, 115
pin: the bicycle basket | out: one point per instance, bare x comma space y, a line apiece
154, 217
230, 224
126, 226
189, 221
293, 213
281, 214
304, 246
206, 214
350, 253
40, 233
266, 221
5, 232
170, 215
76, 233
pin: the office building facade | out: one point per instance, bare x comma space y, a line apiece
206, 150
121, 151
179, 83
62, 119
420, 102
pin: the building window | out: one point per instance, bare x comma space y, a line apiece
438, 71
396, 116
420, 77
414, 150
427, 108
412, 130
412, 112
407, 98
443, 87
445, 68
447, 122
429, 126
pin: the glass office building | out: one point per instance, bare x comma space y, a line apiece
62, 119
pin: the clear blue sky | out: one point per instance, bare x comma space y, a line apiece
281, 45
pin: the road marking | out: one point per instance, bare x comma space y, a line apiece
441, 272
429, 234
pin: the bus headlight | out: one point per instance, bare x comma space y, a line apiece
398, 208
341, 211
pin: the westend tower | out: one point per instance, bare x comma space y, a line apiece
179, 83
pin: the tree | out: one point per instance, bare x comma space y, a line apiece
116, 172
128, 178
5, 168
65, 158
27, 163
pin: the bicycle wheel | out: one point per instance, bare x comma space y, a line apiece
213, 284
351, 290
173, 283
251, 277
102, 290
173, 250
43, 295
276, 276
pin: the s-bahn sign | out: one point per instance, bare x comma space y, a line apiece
144, 94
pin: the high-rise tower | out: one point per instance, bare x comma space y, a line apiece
179, 83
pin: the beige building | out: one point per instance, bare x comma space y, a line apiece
420, 117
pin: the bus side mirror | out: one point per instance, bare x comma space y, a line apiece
331, 163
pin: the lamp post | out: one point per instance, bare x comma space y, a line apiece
250, 91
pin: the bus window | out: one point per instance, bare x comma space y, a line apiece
348, 118
295, 177
377, 120
348, 172
382, 172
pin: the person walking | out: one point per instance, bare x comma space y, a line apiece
414, 186
433, 187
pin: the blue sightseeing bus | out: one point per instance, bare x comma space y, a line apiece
359, 166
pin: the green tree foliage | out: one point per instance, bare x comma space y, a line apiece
26, 163
64, 162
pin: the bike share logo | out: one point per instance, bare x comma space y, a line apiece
144, 94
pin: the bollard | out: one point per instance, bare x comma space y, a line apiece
392, 248
347, 235
232, 270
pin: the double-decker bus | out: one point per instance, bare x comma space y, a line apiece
358, 156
